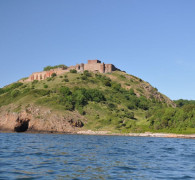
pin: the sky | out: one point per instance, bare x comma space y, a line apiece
153, 39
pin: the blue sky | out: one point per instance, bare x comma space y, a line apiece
153, 39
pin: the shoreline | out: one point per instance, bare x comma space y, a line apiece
109, 133
146, 134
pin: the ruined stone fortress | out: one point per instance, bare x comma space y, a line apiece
92, 65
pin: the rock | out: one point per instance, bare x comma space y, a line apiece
76, 123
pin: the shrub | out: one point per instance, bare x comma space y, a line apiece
111, 106
16, 85
122, 76
47, 68
86, 73
81, 97
143, 103
49, 79
67, 102
131, 105
26, 90
116, 86
131, 92
11, 87
53, 75
35, 82
2, 91
80, 110
84, 77
41, 92
15, 93
107, 83
96, 95
65, 91
45, 86
129, 115
73, 71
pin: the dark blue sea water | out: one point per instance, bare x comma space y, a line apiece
54, 156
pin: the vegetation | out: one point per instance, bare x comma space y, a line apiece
47, 68
116, 102
53, 75
173, 119
182, 102
73, 71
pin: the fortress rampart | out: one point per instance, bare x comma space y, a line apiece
92, 65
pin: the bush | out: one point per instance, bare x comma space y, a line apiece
47, 68
65, 91
66, 80
84, 77
143, 103
26, 90
15, 85
67, 102
53, 75
15, 93
131, 92
45, 86
112, 106
49, 79
129, 115
107, 83
86, 73
41, 92
2, 91
116, 86
131, 105
10, 87
96, 95
81, 97
73, 71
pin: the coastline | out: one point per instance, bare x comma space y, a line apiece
146, 134
109, 133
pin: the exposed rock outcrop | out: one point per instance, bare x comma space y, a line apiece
38, 119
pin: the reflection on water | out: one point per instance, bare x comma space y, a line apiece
48, 156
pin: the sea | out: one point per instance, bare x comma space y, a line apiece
62, 156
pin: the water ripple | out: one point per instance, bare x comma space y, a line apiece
52, 156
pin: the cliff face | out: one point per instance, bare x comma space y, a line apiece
38, 119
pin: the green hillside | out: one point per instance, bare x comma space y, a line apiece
117, 102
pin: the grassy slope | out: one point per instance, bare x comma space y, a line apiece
117, 113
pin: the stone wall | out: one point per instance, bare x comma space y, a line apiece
45, 74
92, 65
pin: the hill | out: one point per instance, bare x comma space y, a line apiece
72, 101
